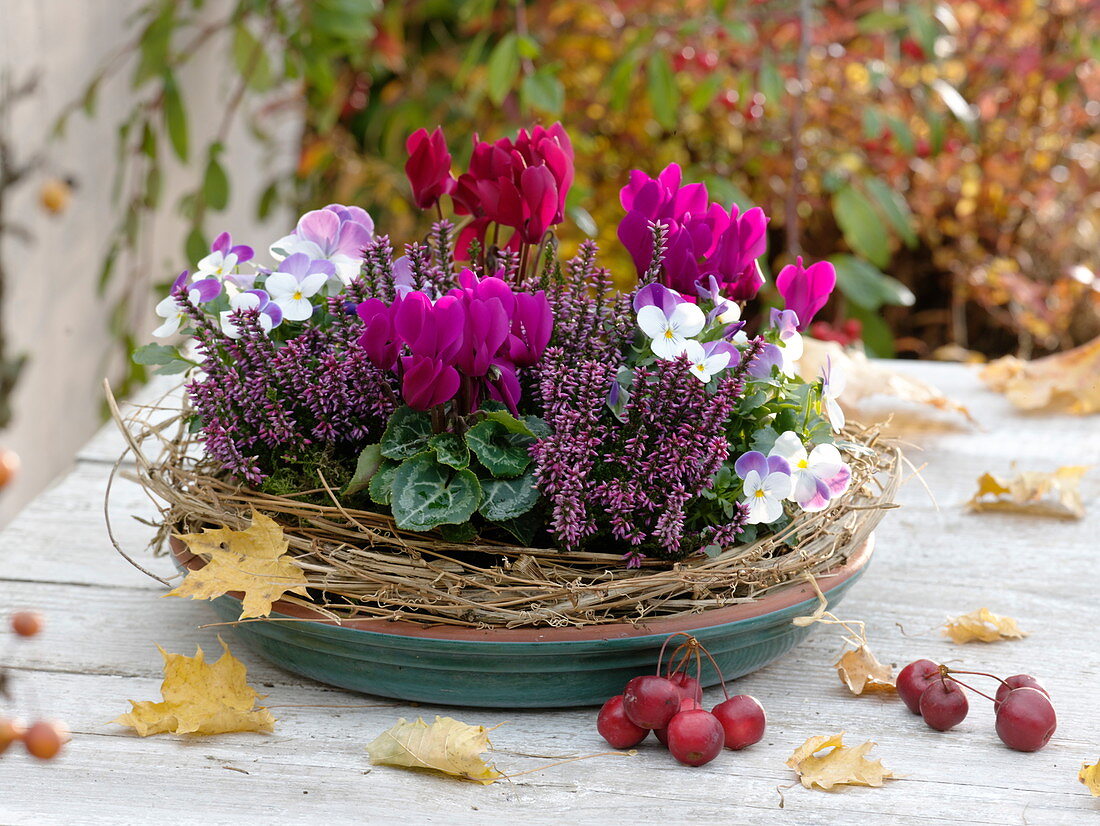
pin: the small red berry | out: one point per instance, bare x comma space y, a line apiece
27, 623
743, 721
913, 680
695, 737
1016, 681
1025, 719
686, 704
10, 731
614, 726
44, 739
650, 701
689, 686
943, 705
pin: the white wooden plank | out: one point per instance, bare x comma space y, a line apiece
930, 564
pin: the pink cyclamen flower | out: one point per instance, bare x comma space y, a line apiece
429, 167
806, 289
336, 233
427, 382
818, 476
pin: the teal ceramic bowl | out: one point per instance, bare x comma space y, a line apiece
525, 668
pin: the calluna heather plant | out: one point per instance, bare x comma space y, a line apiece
478, 386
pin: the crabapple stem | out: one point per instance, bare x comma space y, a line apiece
668, 639
964, 685
944, 669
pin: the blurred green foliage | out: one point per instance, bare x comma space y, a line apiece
950, 144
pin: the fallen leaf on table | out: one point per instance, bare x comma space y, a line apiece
1066, 382
200, 698
864, 378
253, 561
861, 671
982, 626
1090, 776
446, 746
1055, 494
840, 766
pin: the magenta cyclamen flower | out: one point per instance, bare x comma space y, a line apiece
336, 233
806, 289
702, 239
428, 167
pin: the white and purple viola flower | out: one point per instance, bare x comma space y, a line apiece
173, 312
223, 261
271, 315
818, 476
337, 234
295, 282
766, 483
833, 382
709, 359
667, 319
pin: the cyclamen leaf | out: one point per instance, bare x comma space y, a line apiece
381, 483
502, 453
504, 499
369, 462
509, 422
427, 494
407, 433
450, 450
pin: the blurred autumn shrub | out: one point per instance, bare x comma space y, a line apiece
952, 145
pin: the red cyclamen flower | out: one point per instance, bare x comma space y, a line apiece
429, 167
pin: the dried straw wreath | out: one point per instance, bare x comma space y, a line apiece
360, 565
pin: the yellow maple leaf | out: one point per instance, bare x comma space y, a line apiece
199, 698
982, 626
1064, 382
839, 766
446, 746
1090, 776
253, 561
861, 671
1054, 494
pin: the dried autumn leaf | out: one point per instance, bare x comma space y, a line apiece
199, 698
446, 746
253, 561
1090, 776
1064, 382
861, 671
865, 379
1054, 494
840, 766
982, 626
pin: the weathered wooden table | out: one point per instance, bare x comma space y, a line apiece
105, 619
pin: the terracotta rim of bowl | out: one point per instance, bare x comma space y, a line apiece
782, 598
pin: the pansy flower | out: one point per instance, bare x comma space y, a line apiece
296, 281
171, 309
818, 476
766, 483
707, 360
833, 382
224, 258
270, 314
336, 233
667, 319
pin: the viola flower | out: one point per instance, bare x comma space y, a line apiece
270, 317
770, 356
296, 281
791, 344
818, 476
833, 382
670, 323
337, 234
224, 258
806, 289
707, 360
726, 311
171, 309
767, 482
428, 167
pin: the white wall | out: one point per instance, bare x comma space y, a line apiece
51, 310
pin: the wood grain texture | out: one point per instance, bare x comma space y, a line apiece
105, 618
